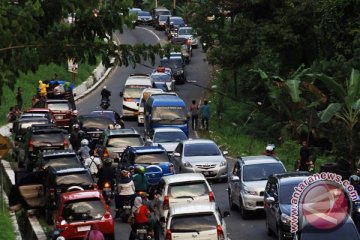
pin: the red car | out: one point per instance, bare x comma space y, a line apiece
78, 211
62, 111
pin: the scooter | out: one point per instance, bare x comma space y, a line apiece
125, 210
142, 232
107, 193
105, 103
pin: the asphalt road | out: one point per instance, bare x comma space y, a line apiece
197, 73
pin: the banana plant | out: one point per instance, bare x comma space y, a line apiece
346, 109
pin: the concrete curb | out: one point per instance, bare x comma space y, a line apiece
12, 216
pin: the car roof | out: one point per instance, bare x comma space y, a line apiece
122, 131
176, 17
34, 119
184, 177
147, 149
167, 129
78, 195
186, 27
193, 208
289, 177
260, 159
191, 141
36, 114
138, 81
51, 153
38, 110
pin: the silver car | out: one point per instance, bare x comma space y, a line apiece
168, 137
188, 33
200, 156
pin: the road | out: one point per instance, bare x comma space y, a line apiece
197, 72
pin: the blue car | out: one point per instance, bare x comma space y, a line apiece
154, 158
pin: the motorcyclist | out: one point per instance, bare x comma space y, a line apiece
106, 174
75, 137
105, 94
125, 190
141, 215
140, 180
94, 163
270, 150
84, 150
74, 118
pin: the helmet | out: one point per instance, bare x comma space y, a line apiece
117, 126
270, 147
140, 169
84, 142
108, 161
354, 178
75, 112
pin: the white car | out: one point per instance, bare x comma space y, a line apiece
167, 137
186, 188
201, 156
146, 93
188, 32
202, 221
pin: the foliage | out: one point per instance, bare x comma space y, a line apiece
6, 227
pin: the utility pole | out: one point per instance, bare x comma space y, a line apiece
174, 7
156, 3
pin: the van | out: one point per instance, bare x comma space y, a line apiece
132, 91
146, 93
165, 110
156, 12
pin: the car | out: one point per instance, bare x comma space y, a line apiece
185, 47
38, 138
173, 23
177, 68
154, 158
277, 202
188, 33
112, 114
55, 158
200, 156
247, 181
144, 17
38, 115
197, 220
62, 110
45, 111
94, 125
155, 12
160, 22
79, 211
162, 78
42, 189
134, 85
114, 141
146, 93
167, 137
183, 188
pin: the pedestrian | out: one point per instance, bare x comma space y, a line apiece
305, 154
205, 114
11, 116
19, 100
194, 111
43, 88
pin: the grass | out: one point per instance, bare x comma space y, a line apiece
29, 83
6, 228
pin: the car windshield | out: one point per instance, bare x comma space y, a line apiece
169, 115
164, 137
185, 31
188, 189
59, 106
144, 14
163, 17
151, 158
124, 141
61, 161
82, 210
97, 123
201, 149
195, 222
105, 114
161, 77
286, 191
172, 63
259, 172
177, 21
48, 138
134, 91
78, 178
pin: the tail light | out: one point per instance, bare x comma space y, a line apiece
171, 168
31, 146
168, 234
106, 185
220, 233
105, 153
52, 192
211, 197
66, 144
166, 203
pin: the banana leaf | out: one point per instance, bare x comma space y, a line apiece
354, 85
327, 114
294, 90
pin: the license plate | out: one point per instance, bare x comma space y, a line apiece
84, 228
59, 117
141, 231
127, 207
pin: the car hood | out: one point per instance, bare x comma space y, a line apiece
257, 186
204, 159
285, 208
186, 36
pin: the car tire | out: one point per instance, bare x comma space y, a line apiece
268, 229
244, 213
231, 203
48, 216
280, 233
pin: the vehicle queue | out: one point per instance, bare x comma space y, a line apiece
179, 198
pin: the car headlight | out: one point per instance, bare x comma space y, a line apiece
250, 192
223, 163
285, 218
187, 164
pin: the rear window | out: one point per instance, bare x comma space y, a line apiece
163, 17
193, 223
97, 123
124, 141
78, 178
185, 31
259, 172
59, 161
134, 91
84, 209
188, 189
109, 115
59, 106
144, 14
151, 158
201, 149
48, 138
164, 137
172, 63
177, 21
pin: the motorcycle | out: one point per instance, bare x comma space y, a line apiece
125, 210
142, 232
107, 193
105, 103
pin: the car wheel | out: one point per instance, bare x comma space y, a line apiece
268, 229
280, 233
231, 203
48, 216
243, 212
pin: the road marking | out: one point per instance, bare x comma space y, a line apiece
196, 134
191, 81
152, 32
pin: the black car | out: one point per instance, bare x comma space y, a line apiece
21, 126
155, 12
38, 138
58, 158
112, 114
177, 68
277, 202
172, 25
160, 22
94, 125
144, 17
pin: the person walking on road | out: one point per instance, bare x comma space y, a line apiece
194, 111
19, 100
205, 114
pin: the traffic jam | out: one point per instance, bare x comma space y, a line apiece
86, 172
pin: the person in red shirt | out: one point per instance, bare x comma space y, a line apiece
141, 215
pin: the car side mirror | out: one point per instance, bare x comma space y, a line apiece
235, 178
226, 214
270, 200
